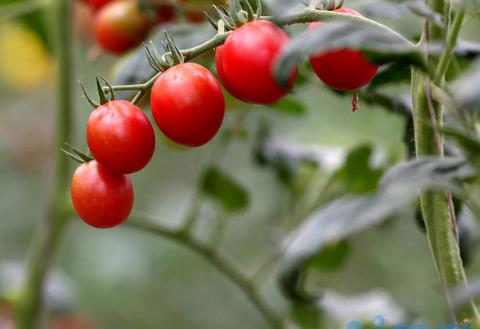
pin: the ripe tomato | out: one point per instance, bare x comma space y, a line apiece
120, 136
101, 198
120, 26
98, 4
187, 104
342, 69
245, 62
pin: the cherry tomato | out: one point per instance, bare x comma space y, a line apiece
97, 4
343, 69
245, 62
120, 26
188, 104
120, 136
102, 198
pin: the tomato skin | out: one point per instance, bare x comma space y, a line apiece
187, 104
342, 69
103, 199
98, 4
246, 60
120, 26
120, 137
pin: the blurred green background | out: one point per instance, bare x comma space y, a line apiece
124, 279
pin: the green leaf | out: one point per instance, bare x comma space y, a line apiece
357, 175
332, 257
379, 45
223, 189
306, 316
289, 106
347, 216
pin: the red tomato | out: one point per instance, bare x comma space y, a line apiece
98, 4
343, 69
187, 104
120, 26
245, 62
103, 199
165, 13
120, 137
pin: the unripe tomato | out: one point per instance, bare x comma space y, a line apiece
188, 104
245, 62
120, 136
120, 26
102, 198
342, 69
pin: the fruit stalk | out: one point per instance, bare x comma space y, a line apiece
436, 206
49, 233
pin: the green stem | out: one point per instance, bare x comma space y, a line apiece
436, 208
446, 56
215, 258
49, 234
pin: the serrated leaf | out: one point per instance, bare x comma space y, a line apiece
379, 45
223, 189
347, 216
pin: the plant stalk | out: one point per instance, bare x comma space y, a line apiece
49, 234
436, 206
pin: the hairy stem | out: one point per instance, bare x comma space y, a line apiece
215, 258
436, 206
49, 234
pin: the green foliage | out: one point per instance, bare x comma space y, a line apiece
229, 194
344, 217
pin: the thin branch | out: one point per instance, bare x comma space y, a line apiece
215, 258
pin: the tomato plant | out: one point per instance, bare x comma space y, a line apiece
120, 26
342, 69
191, 117
244, 63
102, 198
319, 200
120, 136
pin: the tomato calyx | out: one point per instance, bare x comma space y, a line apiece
173, 55
76, 154
238, 13
102, 94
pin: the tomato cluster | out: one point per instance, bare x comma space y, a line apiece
120, 25
188, 106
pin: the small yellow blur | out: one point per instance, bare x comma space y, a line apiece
24, 60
